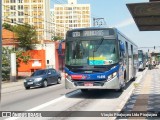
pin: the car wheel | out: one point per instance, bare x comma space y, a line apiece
59, 81
27, 87
45, 83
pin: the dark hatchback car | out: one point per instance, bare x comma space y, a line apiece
43, 78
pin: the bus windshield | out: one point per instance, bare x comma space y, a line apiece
91, 52
140, 56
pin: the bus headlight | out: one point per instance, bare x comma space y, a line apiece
109, 77
112, 75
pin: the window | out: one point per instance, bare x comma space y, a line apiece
20, 7
53, 71
12, 1
20, 20
84, 52
47, 61
20, 1
13, 7
20, 13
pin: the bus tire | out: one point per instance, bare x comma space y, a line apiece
122, 86
121, 89
133, 79
84, 90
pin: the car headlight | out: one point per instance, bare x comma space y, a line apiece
25, 80
38, 79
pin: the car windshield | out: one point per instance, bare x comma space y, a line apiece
39, 72
92, 52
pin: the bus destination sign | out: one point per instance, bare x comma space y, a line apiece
90, 33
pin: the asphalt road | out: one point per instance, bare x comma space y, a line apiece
22, 99
57, 98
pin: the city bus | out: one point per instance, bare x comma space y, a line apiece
99, 58
141, 60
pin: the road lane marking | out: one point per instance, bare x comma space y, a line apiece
47, 104
72, 93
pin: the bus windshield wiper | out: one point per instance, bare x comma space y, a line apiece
98, 45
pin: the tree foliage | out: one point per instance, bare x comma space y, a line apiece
6, 63
21, 56
27, 36
7, 26
55, 38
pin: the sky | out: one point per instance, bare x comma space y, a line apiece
116, 14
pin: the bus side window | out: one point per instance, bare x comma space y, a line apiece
120, 47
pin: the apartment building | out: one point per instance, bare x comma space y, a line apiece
33, 12
53, 24
70, 16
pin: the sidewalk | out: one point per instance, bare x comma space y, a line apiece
146, 96
8, 87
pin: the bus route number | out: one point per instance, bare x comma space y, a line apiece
76, 34
101, 76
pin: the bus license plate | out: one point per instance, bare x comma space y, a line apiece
88, 84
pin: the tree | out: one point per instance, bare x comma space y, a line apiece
6, 63
21, 56
55, 38
27, 36
7, 26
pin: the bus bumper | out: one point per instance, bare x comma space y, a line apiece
111, 84
141, 67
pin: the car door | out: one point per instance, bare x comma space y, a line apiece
49, 76
54, 76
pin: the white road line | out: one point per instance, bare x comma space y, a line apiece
47, 104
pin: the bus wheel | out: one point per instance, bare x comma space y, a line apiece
133, 79
84, 90
122, 87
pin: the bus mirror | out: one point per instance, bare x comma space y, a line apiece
122, 48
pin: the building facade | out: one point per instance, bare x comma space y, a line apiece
33, 12
70, 16
9, 39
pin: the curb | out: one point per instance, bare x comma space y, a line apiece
126, 98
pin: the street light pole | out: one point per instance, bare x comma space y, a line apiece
0, 47
98, 20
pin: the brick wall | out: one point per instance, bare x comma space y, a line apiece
8, 38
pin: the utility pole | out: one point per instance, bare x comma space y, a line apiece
99, 21
0, 47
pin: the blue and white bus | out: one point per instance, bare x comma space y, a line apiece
99, 58
141, 60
